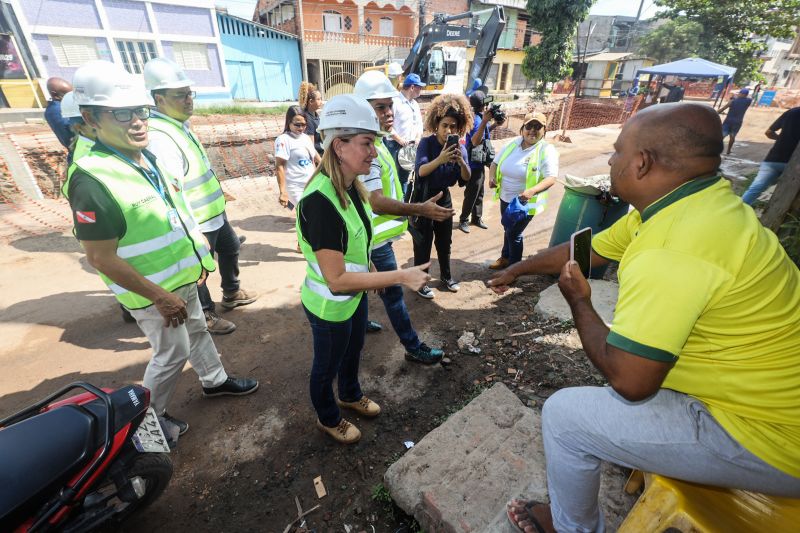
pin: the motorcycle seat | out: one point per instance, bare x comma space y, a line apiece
39, 455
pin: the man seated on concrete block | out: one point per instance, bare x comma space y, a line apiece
703, 355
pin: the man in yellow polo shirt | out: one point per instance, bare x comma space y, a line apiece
703, 356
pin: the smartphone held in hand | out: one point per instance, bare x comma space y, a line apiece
580, 250
452, 139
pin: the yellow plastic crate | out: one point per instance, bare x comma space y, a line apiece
689, 507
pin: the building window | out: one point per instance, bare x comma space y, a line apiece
73, 51
368, 25
332, 21
348, 23
135, 54
192, 56
387, 27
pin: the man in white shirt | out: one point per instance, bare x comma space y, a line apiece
407, 121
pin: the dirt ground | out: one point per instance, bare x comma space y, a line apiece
244, 460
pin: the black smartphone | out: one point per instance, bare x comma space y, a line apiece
451, 140
580, 250
488, 99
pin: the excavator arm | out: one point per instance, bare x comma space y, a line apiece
440, 30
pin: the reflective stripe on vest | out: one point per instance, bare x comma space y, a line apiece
200, 185
168, 256
533, 175
388, 227
315, 293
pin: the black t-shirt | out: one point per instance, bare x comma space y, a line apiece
312, 122
321, 224
789, 126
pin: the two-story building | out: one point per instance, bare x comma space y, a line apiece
64, 34
342, 37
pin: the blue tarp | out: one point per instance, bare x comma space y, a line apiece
691, 67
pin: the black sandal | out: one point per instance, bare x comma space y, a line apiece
527, 505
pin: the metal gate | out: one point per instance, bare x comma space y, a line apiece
340, 76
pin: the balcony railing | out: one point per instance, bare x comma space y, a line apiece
351, 37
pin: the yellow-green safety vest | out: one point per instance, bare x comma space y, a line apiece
315, 293
533, 175
200, 184
161, 242
387, 227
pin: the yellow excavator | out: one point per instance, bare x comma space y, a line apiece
428, 60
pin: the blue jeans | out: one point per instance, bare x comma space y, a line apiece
384, 261
337, 352
768, 174
225, 243
670, 433
512, 238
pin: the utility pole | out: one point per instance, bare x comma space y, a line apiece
632, 33
298, 13
421, 14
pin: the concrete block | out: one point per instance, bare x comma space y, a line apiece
604, 299
461, 474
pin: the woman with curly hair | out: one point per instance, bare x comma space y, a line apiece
310, 99
441, 162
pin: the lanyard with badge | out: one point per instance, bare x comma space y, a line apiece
154, 178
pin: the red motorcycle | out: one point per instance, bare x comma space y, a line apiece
88, 460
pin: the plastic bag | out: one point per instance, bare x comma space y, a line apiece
515, 212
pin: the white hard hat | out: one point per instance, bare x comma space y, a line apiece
395, 69
102, 83
161, 73
346, 114
373, 85
69, 107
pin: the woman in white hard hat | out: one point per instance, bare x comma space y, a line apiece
335, 234
524, 169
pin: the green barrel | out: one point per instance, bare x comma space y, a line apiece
580, 210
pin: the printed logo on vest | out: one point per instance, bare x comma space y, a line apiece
85, 217
143, 201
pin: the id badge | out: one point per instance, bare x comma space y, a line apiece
174, 219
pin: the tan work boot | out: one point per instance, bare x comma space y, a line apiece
344, 432
217, 325
364, 407
500, 264
235, 299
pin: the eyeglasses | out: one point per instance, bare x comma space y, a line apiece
183, 96
126, 115
535, 126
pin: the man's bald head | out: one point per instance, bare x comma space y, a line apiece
683, 137
58, 87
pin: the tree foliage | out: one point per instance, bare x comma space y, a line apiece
557, 21
674, 40
734, 31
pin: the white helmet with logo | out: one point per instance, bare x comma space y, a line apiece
162, 73
102, 83
346, 114
69, 107
373, 85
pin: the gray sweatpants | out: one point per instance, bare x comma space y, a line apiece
671, 434
173, 346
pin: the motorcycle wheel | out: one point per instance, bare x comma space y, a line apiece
156, 470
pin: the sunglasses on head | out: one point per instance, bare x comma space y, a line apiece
535, 126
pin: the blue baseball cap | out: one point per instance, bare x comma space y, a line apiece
413, 79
